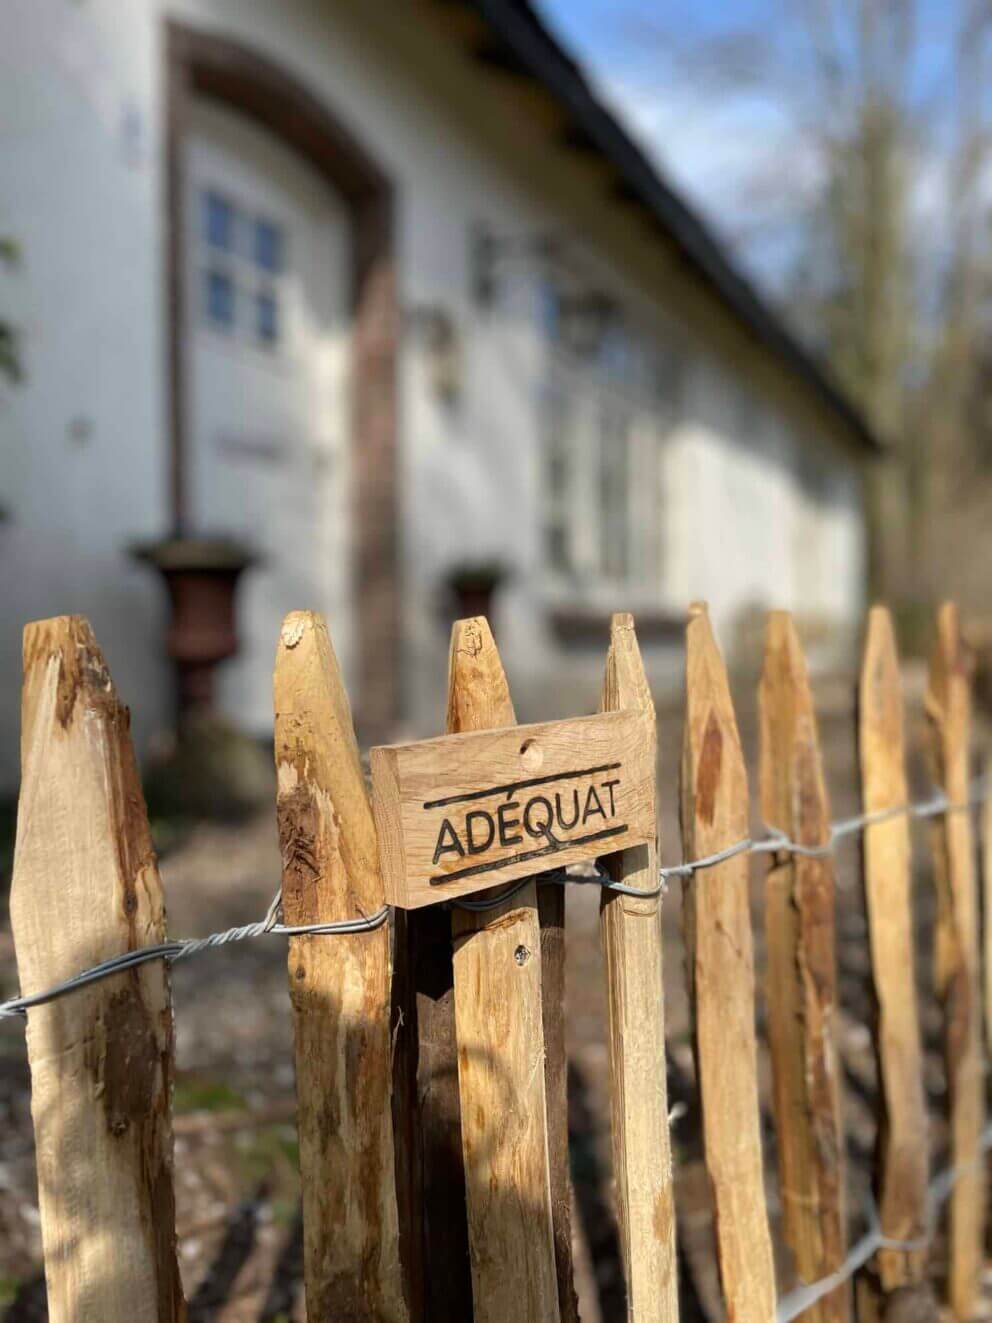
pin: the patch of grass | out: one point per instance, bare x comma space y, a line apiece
271, 1155
284, 1213
196, 1094
8, 1289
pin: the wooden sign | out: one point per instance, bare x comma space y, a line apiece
466, 812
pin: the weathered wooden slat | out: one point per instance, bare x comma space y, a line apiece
500, 1040
631, 935
430, 1172
987, 900
948, 707
551, 917
903, 1145
339, 986
802, 974
720, 969
85, 888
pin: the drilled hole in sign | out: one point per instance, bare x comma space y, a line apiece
531, 755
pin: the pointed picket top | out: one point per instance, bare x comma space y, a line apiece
319, 769
478, 692
720, 969
793, 790
902, 1108
340, 988
880, 716
713, 760
625, 683
102, 1059
500, 1037
948, 702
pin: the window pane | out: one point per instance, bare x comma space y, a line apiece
218, 221
219, 299
268, 246
557, 546
267, 318
614, 482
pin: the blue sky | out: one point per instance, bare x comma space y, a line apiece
739, 156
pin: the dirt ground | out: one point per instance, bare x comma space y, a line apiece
236, 1156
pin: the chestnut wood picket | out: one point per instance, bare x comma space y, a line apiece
430, 1053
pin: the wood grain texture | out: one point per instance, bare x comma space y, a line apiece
551, 917
987, 900
339, 987
86, 887
479, 809
430, 1171
631, 935
497, 977
720, 969
903, 1142
802, 973
948, 708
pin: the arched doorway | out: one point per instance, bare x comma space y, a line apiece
283, 153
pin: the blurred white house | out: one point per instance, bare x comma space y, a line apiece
385, 293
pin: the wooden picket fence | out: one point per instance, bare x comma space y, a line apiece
430, 1059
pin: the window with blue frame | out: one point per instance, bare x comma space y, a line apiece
220, 306
244, 262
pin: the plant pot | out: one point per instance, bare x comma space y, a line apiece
201, 576
472, 588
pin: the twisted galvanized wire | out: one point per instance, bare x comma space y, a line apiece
775, 842
182, 948
938, 1191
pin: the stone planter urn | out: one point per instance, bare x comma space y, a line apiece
201, 575
472, 587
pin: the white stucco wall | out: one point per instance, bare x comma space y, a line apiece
82, 439
83, 449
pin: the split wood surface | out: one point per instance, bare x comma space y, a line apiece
339, 988
720, 968
903, 1147
480, 809
631, 934
497, 981
802, 974
948, 707
85, 888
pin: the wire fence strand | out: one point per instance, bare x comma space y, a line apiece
774, 843
795, 1302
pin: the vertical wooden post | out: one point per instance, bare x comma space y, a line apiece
85, 888
948, 706
339, 988
802, 973
497, 967
427, 1119
631, 933
987, 899
903, 1145
720, 969
551, 918
427, 1106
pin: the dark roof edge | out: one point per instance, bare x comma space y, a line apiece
519, 27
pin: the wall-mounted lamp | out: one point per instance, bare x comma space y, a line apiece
438, 333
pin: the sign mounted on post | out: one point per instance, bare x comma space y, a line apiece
466, 812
